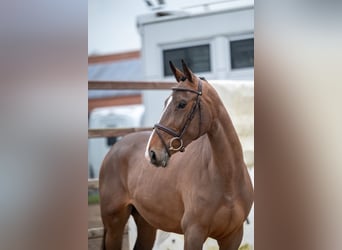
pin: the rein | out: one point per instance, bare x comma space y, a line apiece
177, 137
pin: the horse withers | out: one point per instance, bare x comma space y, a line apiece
188, 176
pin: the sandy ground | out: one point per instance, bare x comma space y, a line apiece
94, 216
94, 220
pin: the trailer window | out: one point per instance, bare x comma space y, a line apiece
242, 53
196, 57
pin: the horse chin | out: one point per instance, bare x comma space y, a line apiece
164, 163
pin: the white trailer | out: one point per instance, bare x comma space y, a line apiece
109, 117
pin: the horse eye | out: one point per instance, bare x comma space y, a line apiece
181, 104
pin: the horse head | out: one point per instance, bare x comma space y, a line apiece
187, 115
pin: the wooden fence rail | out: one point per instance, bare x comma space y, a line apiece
96, 232
93, 183
120, 85
113, 132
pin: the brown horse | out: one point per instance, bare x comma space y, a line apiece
204, 192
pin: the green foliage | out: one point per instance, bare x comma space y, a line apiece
245, 247
93, 199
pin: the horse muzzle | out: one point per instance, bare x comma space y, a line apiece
159, 159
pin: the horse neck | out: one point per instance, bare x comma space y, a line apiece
226, 147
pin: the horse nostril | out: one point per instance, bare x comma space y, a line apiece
153, 157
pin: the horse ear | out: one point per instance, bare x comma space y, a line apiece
176, 72
187, 71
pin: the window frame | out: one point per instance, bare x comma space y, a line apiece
187, 44
238, 71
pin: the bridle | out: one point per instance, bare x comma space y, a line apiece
177, 137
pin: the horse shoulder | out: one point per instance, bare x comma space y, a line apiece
116, 164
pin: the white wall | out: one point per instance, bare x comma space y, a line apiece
217, 28
238, 98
